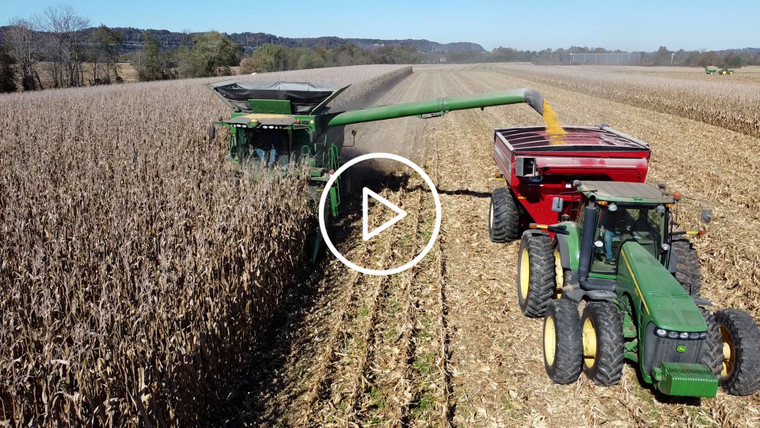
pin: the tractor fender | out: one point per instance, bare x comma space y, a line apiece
564, 252
672, 262
569, 246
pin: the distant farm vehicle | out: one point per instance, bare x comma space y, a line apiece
283, 123
711, 69
600, 239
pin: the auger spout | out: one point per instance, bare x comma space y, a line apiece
440, 106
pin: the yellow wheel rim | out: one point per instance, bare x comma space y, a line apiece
589, 343
559, 275
524, 273
550, 341
729, 356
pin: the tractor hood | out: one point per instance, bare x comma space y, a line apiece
663, 298
304, 97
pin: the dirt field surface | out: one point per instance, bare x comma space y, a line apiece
445, 343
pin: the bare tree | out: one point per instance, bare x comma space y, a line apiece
23, 46
65, 44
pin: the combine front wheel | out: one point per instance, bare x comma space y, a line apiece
562, 341
602, 343
740, 337
503, 216
535, 273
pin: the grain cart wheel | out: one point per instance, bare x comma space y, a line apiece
535, 273
712, 349
687, 266
563, 355
740, 337
503, 216
602, 332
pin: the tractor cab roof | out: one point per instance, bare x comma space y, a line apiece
622, 192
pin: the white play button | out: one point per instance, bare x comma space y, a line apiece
366, 234
400, 214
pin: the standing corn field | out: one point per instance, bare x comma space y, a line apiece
137, 266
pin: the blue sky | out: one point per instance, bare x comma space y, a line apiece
629, 25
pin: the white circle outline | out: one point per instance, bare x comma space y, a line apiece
331, 182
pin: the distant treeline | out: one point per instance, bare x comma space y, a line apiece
50, 50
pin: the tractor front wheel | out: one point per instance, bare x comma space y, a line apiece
562, 341
740, 337
535, 273
503, 216
603, 351
712, 349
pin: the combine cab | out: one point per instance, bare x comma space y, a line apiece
601, 262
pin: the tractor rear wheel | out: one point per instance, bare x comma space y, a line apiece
563, 355
712, 349
687, 266
603, 351
503, 216
740, 337
535, 273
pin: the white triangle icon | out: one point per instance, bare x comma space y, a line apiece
365, 209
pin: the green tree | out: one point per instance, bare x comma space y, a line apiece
105, 44
148, 62
303, 58
269, 57
7, 73
212, 54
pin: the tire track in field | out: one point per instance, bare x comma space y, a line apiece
386, 392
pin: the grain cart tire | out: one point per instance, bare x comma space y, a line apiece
687, 266
602, 337
563, 351
712, 349
535, 273
503, 216
740, 337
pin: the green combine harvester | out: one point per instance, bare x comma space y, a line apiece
618, 282
711, 69
284, 123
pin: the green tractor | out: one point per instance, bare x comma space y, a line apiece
637, 282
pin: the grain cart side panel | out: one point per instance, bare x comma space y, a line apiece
537, 169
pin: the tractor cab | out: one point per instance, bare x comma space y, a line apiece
624, 212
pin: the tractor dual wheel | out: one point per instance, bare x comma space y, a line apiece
712, 348
740, 346
603, 349
687, 266
563, 355
503, 216
536, 274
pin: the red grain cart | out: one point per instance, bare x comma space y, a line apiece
540, 171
